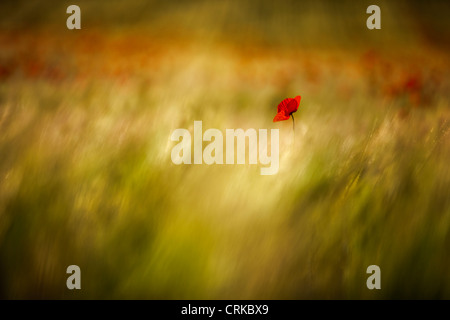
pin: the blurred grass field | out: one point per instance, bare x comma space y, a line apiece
87, 179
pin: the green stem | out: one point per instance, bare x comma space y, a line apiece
293, 122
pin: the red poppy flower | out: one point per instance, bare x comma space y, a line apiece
286, 108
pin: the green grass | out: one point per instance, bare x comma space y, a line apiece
87, 179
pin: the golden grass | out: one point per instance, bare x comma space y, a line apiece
87, 179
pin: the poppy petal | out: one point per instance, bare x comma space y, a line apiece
283, 104
292, 107
280, 116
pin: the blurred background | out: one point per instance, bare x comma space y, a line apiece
86, 176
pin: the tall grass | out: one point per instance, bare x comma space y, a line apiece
87, 179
